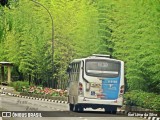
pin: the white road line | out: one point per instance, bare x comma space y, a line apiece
0, 118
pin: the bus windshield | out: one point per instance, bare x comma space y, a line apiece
102, 68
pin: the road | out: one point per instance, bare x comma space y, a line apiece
58, 111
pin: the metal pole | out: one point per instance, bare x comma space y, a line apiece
52, 35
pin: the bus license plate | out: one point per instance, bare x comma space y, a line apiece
92, 92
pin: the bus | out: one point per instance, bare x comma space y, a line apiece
96, 82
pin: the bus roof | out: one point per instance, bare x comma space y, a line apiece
95, 57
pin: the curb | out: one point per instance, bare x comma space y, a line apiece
34, 98
148, 118
152, 118
121, 112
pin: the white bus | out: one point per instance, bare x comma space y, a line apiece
96, 82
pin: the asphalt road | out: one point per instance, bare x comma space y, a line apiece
58, 111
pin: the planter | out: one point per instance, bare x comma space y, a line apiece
127, 108
140, 109
47, 96
133, 108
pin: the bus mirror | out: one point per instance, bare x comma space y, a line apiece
68, 69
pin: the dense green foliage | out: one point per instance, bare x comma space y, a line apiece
18, 85
129, 30
143, 99
136, 38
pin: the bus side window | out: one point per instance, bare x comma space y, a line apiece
78, 70
73, 72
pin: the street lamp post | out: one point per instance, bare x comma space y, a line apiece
52, 35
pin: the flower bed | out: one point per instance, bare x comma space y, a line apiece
49, 92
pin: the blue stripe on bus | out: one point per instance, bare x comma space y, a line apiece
110, 87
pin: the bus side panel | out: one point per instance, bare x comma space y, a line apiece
74, 83
122, 83
73, 92
122, 74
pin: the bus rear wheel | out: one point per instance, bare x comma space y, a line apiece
78, 108
75, 108
111, 110
71, 107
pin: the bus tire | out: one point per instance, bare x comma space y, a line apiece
71, 107
80, 109
75, 108
107, 111
111, 110
114, 110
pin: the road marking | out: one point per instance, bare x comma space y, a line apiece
0, 118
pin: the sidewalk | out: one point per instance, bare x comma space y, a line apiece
8, 89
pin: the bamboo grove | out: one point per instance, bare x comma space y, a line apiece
128, 30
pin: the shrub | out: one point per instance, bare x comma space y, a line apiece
18, 85
143, 99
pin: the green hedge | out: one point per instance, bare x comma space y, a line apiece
19, 84
143, 99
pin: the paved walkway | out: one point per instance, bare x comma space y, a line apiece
8, 89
